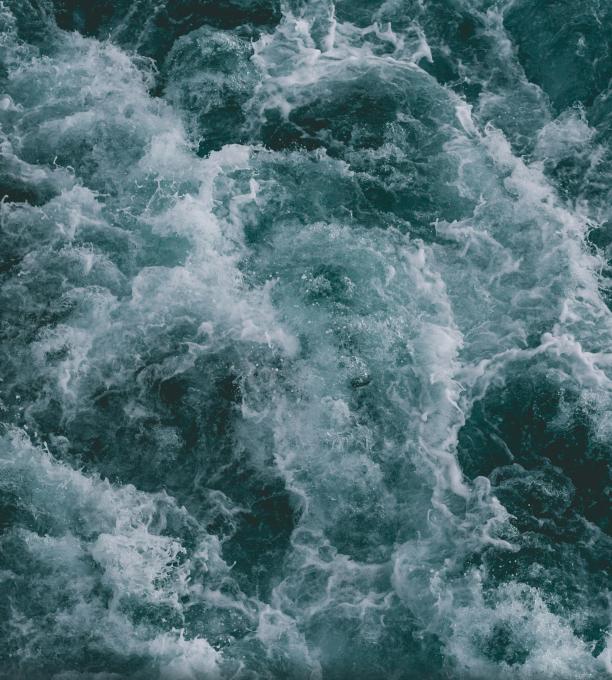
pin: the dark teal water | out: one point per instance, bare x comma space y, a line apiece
306, 339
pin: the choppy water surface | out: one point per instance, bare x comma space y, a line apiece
306, 345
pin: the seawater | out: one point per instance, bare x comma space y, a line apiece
305, 339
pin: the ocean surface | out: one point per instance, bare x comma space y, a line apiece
306, 339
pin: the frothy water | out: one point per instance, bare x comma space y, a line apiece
306, 325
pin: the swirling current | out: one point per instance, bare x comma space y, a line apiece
306, 339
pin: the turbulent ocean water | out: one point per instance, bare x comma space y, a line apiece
306, 339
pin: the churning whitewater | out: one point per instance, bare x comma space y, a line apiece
306, 339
